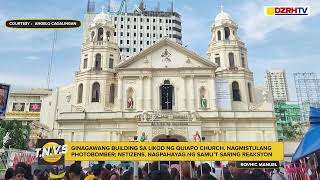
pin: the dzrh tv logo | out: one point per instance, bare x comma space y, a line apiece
287, 10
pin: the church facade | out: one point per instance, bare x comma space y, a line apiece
164, 93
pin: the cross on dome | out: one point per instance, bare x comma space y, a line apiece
221, 8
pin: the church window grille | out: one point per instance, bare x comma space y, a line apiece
95, 92
250, 92
97, 63
231, 60
226, 33
85, 63
108, 35
219, 35
112, 92
92, 35
217, 60
243, 62
80, 93
236, 91
100, 34
111, 63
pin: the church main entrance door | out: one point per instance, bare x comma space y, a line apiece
166, 91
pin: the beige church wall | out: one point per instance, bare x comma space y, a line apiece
65, 98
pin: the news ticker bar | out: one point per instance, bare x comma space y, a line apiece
177, 151
43, 23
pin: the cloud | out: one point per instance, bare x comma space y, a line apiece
257, 26
22, 80
32, 58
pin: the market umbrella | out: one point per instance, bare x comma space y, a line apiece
311, 141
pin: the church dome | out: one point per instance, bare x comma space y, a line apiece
222, 18
101, 17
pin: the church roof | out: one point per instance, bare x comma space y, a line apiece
102, 17
222, 18
162, 42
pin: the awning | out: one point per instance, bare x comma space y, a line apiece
311, 140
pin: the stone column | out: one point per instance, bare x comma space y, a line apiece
192, 96
213, 102
120, 93
149, 94
140, 100
108, 134
183, 94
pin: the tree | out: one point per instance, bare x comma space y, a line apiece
19, 134
293, 130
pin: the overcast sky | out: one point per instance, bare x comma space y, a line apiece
289, 42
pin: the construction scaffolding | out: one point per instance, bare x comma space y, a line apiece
308, 92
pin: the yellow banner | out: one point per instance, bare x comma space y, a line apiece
174, 151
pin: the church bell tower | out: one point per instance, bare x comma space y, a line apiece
95, 79
230, 54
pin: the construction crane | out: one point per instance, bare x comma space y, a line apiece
123, 3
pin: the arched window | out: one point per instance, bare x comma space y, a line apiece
231, 60
100, 34
95, 92
226, 33
130, 98
108, 35
236, 91
250, 92
219, 35
97, 62
92, 35
80, 93
112, 91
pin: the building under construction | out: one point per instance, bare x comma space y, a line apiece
141, 28
287, 113
308, 92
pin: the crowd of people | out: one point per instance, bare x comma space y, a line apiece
150, 171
